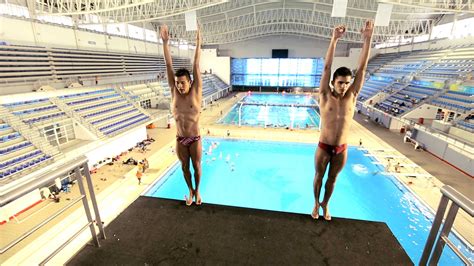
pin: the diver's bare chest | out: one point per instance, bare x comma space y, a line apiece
186, 107
336, 106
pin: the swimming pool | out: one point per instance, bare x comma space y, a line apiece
263, 98
274, 110
278, 176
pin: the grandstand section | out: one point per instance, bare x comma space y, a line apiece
455, 65
467, 125
408, 64
212, 85
33, 63
159, 89
147, 95
18, 155
106, 110
372, 86
140, 92
37, 112
213, 88
407, 97
380, 60
457, 101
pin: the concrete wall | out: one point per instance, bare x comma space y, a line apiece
396, 125
17, 30
116, 146
262, 47
49, 34
352, 60
426, 111
19, 205
376, 115
24, 32
220, 65
82, 133
445, 151
461, 133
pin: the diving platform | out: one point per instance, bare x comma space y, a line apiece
155, 231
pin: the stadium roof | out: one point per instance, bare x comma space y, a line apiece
232, 21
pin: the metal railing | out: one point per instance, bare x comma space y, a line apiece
458, 201
45, 180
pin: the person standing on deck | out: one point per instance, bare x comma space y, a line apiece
186, 105
337, 106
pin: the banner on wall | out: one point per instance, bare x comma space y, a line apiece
429, 84
462, 88
381, 78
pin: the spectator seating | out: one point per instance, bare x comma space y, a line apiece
139, 92
160, 88
33, 63
409, 63
456, 101
16, 153
36, 112
456, 65
380, 60
404, 99
106, 110
373, 86
211, 85
467, 125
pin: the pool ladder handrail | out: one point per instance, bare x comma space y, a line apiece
458, 200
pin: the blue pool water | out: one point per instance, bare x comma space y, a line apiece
279, 176
274, 110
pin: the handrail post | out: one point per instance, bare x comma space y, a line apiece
94, 201
458, 200
448, 224
434, 230
86, 206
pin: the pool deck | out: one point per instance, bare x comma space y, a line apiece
121, 188
155, 231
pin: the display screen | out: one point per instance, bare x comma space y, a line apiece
282, 72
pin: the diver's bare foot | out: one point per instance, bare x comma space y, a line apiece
198, 198
326, 214
315, 213
189, 201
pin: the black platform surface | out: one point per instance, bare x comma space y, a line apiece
155, 231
